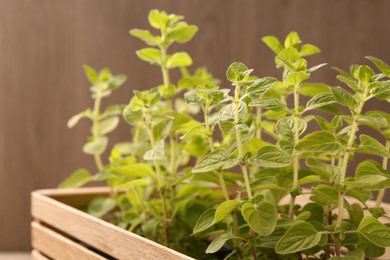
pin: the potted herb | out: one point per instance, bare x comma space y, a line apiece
262, 175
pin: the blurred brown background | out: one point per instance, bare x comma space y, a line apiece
44, 43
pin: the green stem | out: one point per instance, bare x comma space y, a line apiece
381, 193
296, 165
206, 113
258, 122
148, 121
95, 128
347, 153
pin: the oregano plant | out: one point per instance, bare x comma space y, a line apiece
256, 168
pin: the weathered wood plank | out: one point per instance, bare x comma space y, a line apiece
56, 246
35, 255
97, 233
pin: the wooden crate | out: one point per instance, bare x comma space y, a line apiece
61, 231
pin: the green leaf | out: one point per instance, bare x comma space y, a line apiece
132, 117
369, 145
100, 206
312, 89
91, 74
272, 157
156, 153
76, 118
235, 72
350, 83
151, 55
273, 104
228, 112
296, 78
158, 19
343, 97
374, 231
382, 91
299, 237
213, 161
179, 59
260, 86
133, 170
367, 181
162, 129
133, 183
108, 125
224, 209
309, 179
318, 142
77, 179
292, 40
365, 74
273, 43
97, 146
205, 221
290, 54
218, 243
375, 120
286, 126
116, 81
325, 195
308, 50
145, 36
353, 255
383, 67
183, 34
262, 219
320, 100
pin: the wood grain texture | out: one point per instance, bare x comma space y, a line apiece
44, 43
56, 246
99, 234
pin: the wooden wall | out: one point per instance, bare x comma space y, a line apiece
44, 43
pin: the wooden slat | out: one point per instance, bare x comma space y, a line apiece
56, 246
35, 255
97, 233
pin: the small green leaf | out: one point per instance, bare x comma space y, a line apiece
76, 118
224, 209
132, 117
383, 67
296, 78
108, 125
308, 50
158, 19
343, 97
97, 146
100, 206
151, 55
77, 179
292, 40
228, 112
183, 34
312, 89
318, 142
290, 54
162, 129
156, 153
382, 91
205, 221
272, 157
286, 126
320, 100
91, 74
273, 104
369, 145
375, 120
260, 86
218, 243
325, 195
366, 181
353, 255
262, 219
213, 161
374, 231
133, 183
179, 59
145, 36
309, 179
365, 74
133, 170
273, 43
299, 237
235, 72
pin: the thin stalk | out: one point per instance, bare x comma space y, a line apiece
243, 167
296, 165
95, 133
347, 153
381, 193
206, 112
148, 122
258, 122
